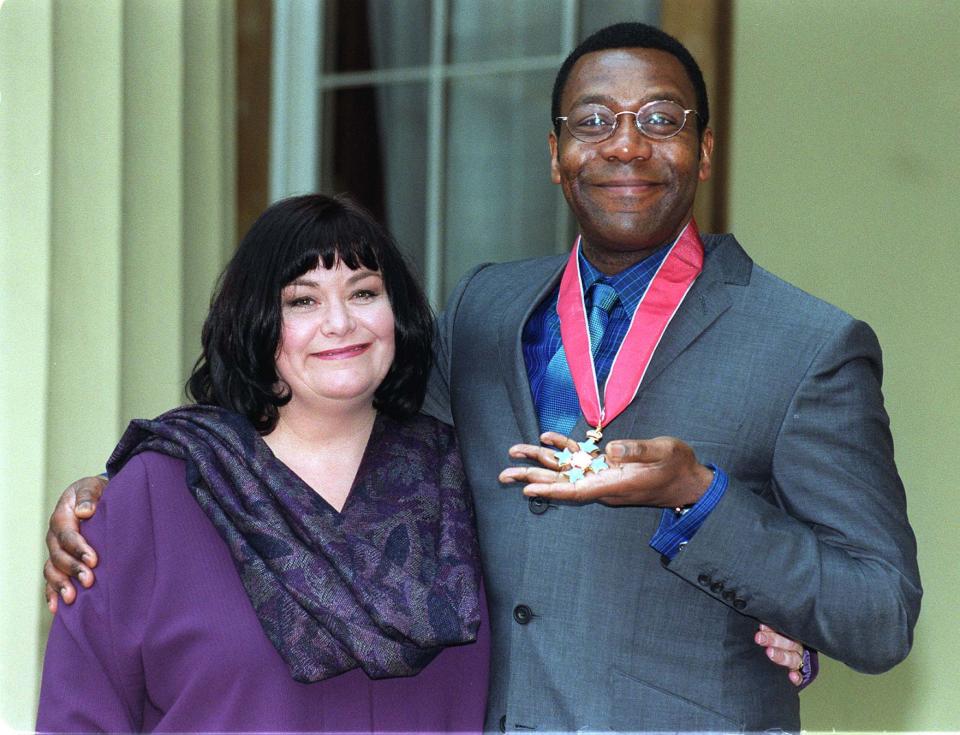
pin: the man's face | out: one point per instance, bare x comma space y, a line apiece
629, 193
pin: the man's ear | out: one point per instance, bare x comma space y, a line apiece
554, 157
706, 151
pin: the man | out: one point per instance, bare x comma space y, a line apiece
626, 597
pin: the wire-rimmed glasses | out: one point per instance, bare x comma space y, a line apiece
593, 123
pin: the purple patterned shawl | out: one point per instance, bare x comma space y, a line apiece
384, 585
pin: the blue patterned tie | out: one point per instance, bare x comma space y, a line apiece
559, 408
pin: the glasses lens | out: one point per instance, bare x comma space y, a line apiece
591, 123
661, 119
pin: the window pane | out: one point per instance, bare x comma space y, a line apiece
493, 30
595, 14
500, 203
377, 151
376, 34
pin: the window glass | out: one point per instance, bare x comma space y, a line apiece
451, 156
376, 34
375, 149
495, 30
500, 203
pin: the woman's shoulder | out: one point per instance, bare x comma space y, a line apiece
149, 469
144, 480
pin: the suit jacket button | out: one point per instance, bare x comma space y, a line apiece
717, 587
538, 505
739, 604
522, 614
704, 580
728, 595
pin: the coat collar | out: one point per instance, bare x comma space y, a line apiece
726, 266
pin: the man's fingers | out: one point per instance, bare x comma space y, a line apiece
59, 583
545, 456
67, 566
530, 474
50, 595
66, 547
87, 492
624, 450
560, 441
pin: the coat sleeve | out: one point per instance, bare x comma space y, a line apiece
834, 562
93, 678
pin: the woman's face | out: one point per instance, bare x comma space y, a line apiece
337, 340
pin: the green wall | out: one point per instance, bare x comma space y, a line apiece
116, 171
844, 156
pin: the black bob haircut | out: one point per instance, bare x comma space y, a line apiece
241, 335
633, 35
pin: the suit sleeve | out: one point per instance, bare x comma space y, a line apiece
833, 564
92, 675
437, 401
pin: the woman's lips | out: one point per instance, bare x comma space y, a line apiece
342, 353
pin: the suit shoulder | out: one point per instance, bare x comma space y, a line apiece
767, 293
514, 270
813, 308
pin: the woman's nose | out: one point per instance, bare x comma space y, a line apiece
337, 319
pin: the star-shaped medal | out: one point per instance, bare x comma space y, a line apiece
589, 446
586, 460
564, 457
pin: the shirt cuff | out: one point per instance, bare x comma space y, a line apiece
676, 529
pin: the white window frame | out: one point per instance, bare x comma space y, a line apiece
299, 86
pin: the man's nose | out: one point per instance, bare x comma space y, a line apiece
627, 142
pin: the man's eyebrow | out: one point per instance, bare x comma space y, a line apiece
651, 96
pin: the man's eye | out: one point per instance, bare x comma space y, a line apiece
659, 119
594, 122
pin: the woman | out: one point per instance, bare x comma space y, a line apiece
271, 554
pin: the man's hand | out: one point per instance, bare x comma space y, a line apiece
70, 556
661, 472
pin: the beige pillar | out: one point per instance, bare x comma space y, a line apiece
116, 212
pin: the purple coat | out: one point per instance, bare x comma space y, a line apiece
167, 639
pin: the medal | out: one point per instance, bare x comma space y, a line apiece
659, 303
588, 459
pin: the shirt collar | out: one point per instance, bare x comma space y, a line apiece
631, 283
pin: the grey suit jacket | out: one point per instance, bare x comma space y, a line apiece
591, 628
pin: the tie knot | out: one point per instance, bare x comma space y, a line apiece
604, 296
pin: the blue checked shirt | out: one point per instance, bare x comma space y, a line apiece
541, 340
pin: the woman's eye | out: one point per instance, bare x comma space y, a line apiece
300, 301
365, 294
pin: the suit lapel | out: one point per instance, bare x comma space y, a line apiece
522, 303
725, 264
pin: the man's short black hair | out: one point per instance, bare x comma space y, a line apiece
241, 336
633, 35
